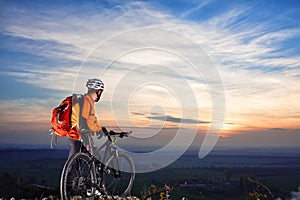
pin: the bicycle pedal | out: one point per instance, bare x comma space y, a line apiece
97, 193
89, 192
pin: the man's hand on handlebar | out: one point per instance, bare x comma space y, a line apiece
104, 130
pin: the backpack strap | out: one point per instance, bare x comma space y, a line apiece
79, 98
53, 138
80, 101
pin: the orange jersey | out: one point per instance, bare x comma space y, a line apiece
88, 113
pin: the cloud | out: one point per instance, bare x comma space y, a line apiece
277, 129
26, 113
12, 89
258, 65
244, 48
261, 138
168, 118
178, 120
137, 113
194, 9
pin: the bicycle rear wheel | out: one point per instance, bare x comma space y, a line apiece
78, 178
118, 176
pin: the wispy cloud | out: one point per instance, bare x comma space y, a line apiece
260, 74
24, 114
277, 129
168, 118
178, 120
194, 9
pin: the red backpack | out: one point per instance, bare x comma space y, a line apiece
61, 117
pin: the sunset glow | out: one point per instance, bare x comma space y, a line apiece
47, 55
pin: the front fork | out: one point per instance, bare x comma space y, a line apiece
115, 164
114, 168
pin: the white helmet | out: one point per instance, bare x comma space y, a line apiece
95, 84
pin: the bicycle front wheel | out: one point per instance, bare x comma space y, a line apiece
78, 178
119, 174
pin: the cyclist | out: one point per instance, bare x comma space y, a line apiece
85, 118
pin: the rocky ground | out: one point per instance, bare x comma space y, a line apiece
104, 197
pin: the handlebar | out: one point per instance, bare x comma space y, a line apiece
113, 133
120, 134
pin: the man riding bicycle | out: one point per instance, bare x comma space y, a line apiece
86, 174
83, 116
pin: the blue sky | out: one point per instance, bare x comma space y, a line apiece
48, 48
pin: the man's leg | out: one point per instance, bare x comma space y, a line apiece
74, 146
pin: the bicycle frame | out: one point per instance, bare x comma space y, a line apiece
109, 146
110, 150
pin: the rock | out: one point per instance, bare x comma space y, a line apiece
102, 197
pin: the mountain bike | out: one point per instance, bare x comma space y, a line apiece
86, 174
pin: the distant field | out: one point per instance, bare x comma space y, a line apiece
281, 172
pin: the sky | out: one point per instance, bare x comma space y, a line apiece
225, 69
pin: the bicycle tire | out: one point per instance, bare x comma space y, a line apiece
110, 182
78, 177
